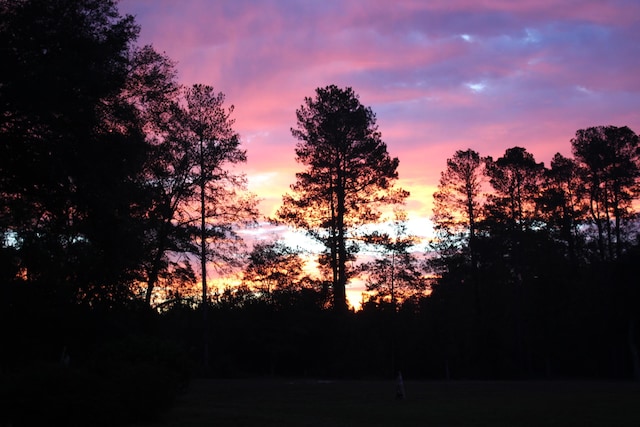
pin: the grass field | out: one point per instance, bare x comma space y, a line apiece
372, 403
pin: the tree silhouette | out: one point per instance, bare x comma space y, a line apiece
277, 273
153, 89
515, 178
273, 266
209, 202
71, 151
458, 204
349, 175
207, 128
608, 158
610, 163
198, 198
395, 275
561, 203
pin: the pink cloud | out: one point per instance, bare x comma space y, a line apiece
441, 75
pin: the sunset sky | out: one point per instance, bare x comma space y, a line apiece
441, 75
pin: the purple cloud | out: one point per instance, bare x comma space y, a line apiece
441, 75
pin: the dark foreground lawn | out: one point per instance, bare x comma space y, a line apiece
373, 403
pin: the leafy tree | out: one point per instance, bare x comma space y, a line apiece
212, 203
609, 162
214, 147
349, 175
609, 159
396, 274
152, 88
273, 266
457, 205
561, 202
71, 150
198, 197
515, 178
277, 272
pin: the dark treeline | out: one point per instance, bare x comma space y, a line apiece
538, 266
533, 274
118, 188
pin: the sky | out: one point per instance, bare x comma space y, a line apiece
440, 75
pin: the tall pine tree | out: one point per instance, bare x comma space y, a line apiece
348, 176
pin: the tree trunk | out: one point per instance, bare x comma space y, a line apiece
339, 291
203, 261
155, 268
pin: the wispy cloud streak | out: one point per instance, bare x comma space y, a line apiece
441, 75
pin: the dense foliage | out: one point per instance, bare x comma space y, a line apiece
116, 192
542, 278
102, 156
348, 176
